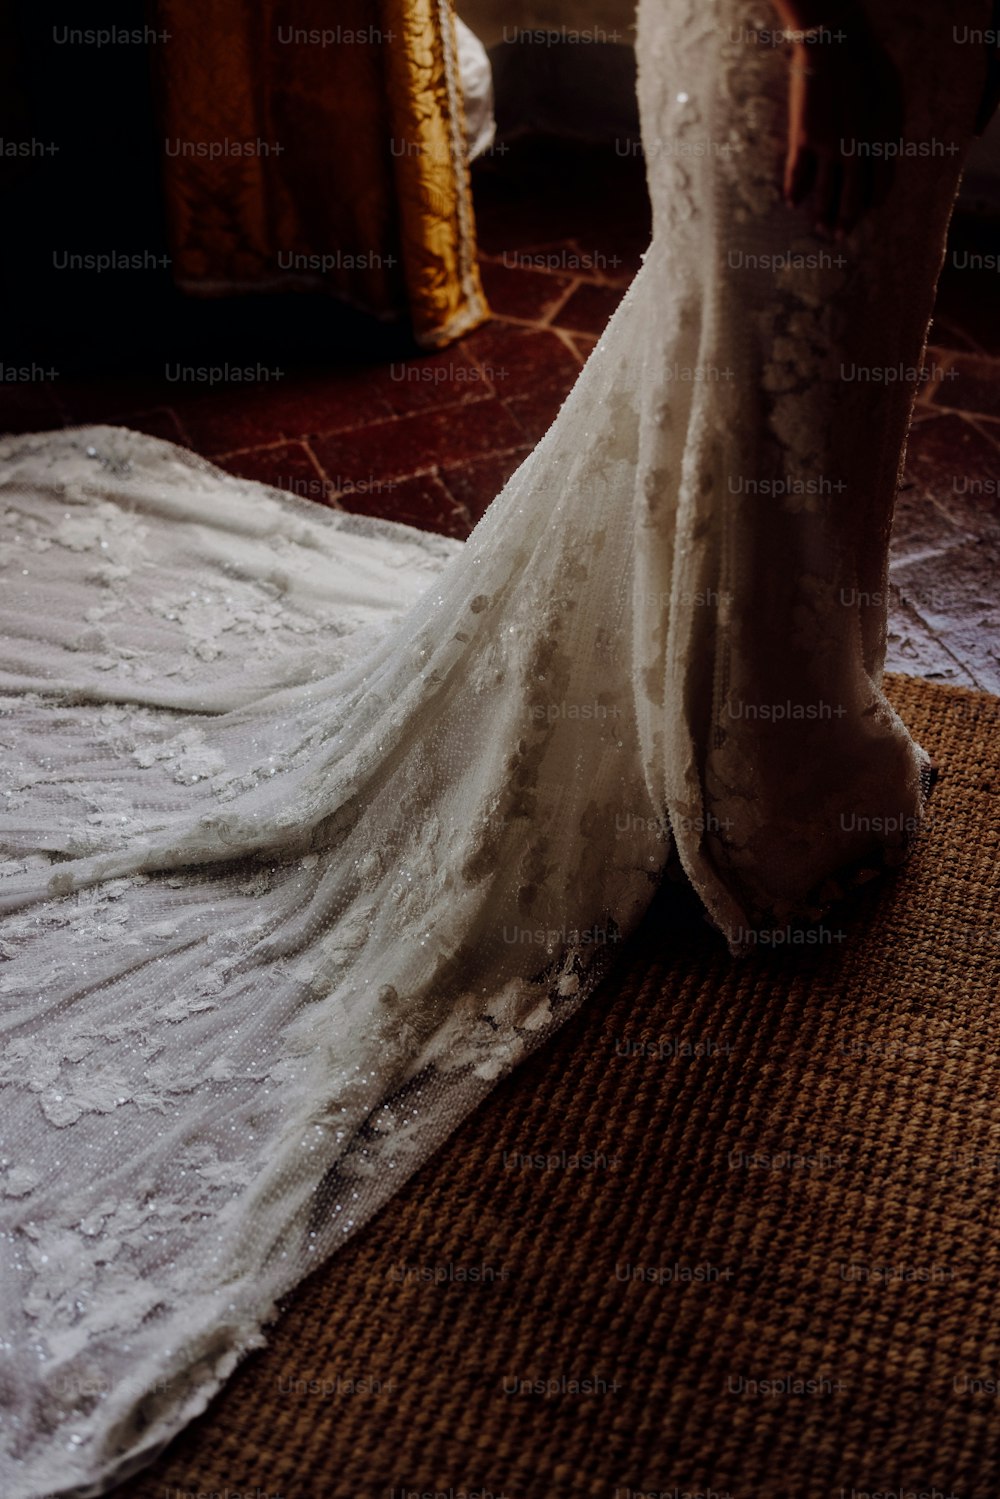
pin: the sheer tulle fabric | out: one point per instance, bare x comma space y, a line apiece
314, 826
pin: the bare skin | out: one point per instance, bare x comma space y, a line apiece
844, 88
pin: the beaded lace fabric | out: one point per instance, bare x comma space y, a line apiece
313, 826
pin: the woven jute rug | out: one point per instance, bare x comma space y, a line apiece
735, 1231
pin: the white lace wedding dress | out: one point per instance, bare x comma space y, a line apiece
313, 826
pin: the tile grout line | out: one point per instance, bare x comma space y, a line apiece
927, 394
461, 510
567, 339
330, 495
928, 554
382, 421
185, 434
974, 418
908, 604
587, 279
976, 349
560, 304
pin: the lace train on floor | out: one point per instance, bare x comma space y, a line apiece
314, 826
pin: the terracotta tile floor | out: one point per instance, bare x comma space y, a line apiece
359, 419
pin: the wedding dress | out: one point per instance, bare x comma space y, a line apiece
315, 825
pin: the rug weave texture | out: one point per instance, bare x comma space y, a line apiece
735, 1231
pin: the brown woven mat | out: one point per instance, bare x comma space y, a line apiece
775, 1277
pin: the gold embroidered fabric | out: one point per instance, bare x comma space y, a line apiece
307, 150
431, 177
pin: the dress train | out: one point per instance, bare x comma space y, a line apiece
314, 825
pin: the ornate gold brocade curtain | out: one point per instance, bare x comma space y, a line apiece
315, 145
